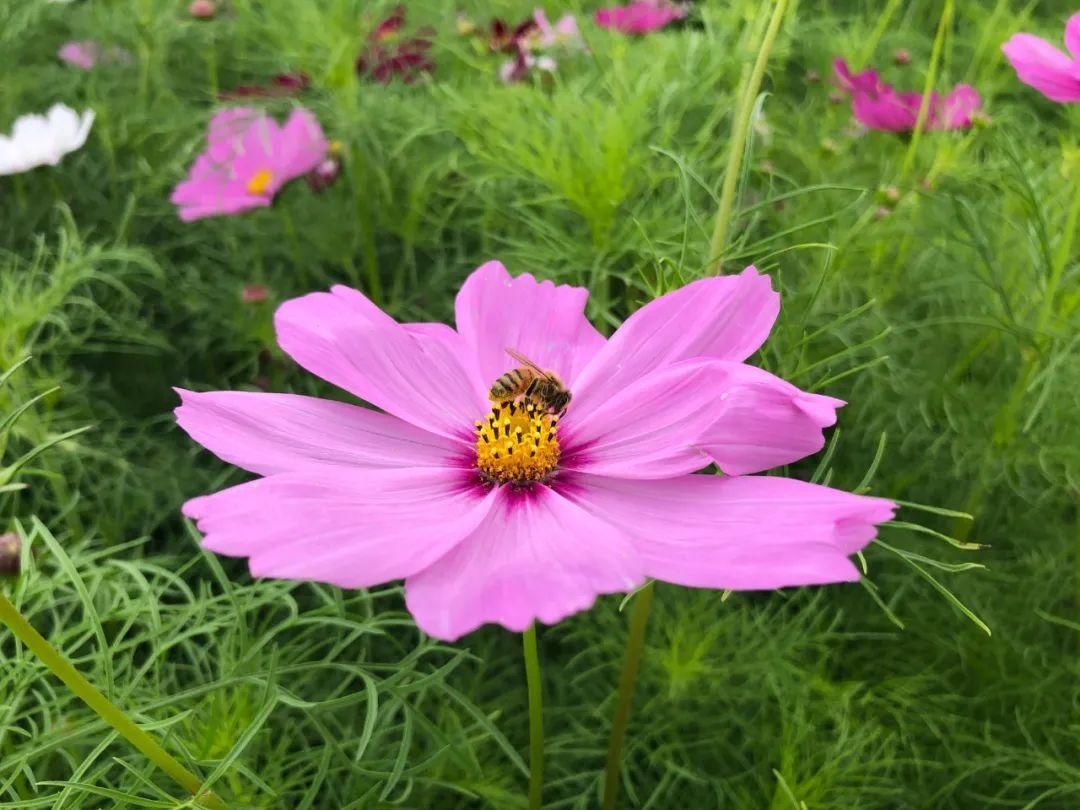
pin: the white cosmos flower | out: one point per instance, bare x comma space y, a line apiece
42, 140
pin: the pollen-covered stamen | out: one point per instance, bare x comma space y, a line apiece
260, 181
516, 443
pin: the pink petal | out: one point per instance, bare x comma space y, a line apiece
227, 129
1072, 35
345, 339
302, 145
83, 55
763, 422
351, 528
722, 317
271, 433
535, 557
868, 81
543, 321
651, 428
747, 533
888, 112
639, 17
1044, 67
957, 110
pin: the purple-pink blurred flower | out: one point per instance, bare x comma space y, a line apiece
877, 105
564, 33
1050, 71
83, 55
640, 17
87, 54
248, 158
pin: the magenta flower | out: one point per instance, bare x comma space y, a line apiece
83, 55
877, 105
1038, 63
249, 157
504, 511
640, 16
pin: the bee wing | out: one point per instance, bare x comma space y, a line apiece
525, 361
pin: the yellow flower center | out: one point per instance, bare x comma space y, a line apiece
516, 444
260, 181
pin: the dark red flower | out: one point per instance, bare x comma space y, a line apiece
280, 86
386, 56
504, 39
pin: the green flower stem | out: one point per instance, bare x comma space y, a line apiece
109, 712
738, 138
931, 79
536, 719
635, 644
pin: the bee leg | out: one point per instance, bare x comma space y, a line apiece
532, 387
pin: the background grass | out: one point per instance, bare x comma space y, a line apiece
932, 315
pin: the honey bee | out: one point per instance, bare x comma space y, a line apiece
531, 382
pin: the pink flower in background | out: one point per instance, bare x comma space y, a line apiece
249, 157
526, 507
877, 105
564, 33
1050, 71
83, 55
640, 17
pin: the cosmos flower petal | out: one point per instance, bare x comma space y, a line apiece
888, 112
745, 533
957, 110
543, 321
722, 317
352, 528
1072, 35
1044, 67
763, 422
536, 557
650, 429
343, 338
639, 16
272, 433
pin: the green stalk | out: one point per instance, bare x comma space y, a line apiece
536, 718
738, 138
875, 36
106, 710
928, 87
635, 644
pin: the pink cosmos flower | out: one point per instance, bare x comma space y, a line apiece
249, 157
640, 16
504, 511
564, 33
83, 55
877, 105
1041, 65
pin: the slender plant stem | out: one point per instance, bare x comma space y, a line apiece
739, 134
635, 644
536, 719
106, 710
928, 88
